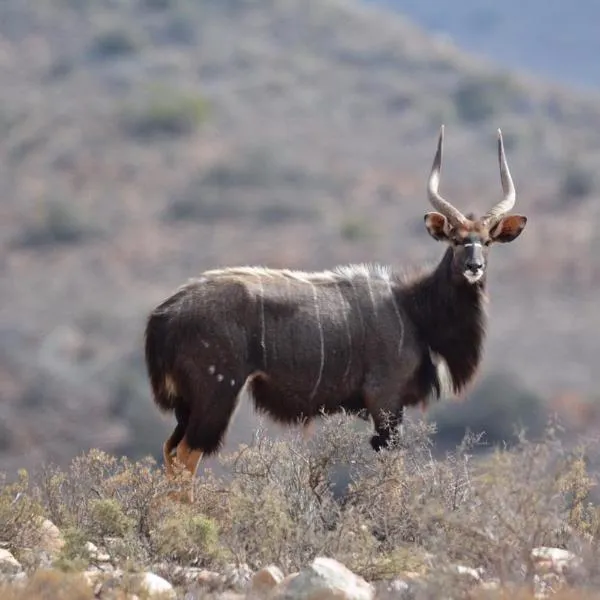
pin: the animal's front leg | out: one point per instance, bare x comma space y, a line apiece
386, 424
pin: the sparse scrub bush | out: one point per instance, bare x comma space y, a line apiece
479, 98
577, 183
164, 112
47, 584
286, 501
108, 518
114, 43
58, 223
19, 513
184, 537
354, 229
73, 556
218, 193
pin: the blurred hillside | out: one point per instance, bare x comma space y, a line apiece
143, 141
557, 40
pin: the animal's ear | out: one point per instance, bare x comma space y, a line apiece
508, 229
437, 225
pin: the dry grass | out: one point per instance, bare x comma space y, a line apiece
287, 501
50, 585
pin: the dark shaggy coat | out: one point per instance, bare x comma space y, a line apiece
356, 338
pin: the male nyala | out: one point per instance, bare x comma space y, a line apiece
356, 338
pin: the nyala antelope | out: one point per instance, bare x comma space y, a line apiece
356, 338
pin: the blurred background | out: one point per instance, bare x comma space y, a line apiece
142, 141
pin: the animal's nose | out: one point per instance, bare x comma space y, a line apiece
474, 265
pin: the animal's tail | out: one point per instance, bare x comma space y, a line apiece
157, 355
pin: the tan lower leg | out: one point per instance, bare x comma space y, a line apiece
189, 459
168, 457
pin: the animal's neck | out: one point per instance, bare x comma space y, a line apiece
449, 315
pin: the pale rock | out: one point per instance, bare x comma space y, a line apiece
266, 579
467, 573
204, 578
51, 539
399, 586
19, 578
9, 565
554, 560
237, 577
94, 577
324, 579
95, 554
490, 586
153, 585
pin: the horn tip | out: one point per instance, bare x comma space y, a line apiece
441, 136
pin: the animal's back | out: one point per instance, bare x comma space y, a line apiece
311, 335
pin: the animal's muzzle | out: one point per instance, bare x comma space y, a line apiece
474, 260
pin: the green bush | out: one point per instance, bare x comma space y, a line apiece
477, 99
577, 182
184, 537
107, 518
114, 43
58, 223
355, 229
163, 112
228, 191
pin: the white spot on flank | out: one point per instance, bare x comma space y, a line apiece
212, 369
205, 343
219, 377
232, 382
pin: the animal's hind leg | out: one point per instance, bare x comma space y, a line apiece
170, 445
212, 402
182, 414
188, 457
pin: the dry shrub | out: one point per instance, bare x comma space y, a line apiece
403, 509
123, 506
49, 585
19, 513
184, 536
382, 514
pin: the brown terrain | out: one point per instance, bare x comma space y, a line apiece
143, 141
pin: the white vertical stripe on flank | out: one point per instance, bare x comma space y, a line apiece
263, 331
